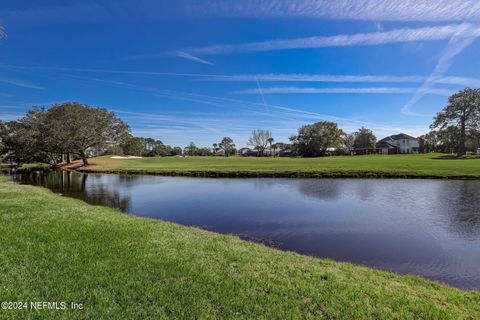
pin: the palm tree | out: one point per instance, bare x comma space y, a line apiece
275, 147
215, 149
270, 141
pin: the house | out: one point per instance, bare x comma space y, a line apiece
398, 143
283, 150
245, 152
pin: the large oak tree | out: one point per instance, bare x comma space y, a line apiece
81, 128
313, 140
461, 115
68, 128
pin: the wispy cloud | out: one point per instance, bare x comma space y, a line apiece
20, 84
369, 10
375, 10
375, 38
291, 90
315, 78
452, 80
261, 92
179, 54
2, 31
191, 57
271, 77
459, 41
461, 81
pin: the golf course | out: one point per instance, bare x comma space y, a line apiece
401, 166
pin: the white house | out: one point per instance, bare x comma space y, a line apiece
398, 143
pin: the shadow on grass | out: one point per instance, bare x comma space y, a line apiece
455, 157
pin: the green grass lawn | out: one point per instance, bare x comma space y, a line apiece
124, 267
429, 165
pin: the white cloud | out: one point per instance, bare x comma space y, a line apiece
456, 45
461, 81
20, 84
368, 10
451, 80
376, 90
191, 57
375, 38
314, 78
374, 10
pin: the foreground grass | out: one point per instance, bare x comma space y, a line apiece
124, 267
420, 165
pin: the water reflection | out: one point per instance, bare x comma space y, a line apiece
73, 184
425, 227
462, 201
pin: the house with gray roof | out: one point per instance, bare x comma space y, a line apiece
398, 143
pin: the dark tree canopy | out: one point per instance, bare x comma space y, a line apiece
364, 139
227, 146
314, 139
82, 128
73, 128
429, 142
145, 147
460, 117
190, 150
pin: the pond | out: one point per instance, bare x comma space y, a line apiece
424, 227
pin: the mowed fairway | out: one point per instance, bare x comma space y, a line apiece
421, 165
119, 266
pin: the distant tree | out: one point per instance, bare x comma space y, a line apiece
313, 140
190, 150
27, 138
227, 146
364, 139
349, 142
215, 148
204, 151
134, 146
429, 142
463, 113
270, 142
259, 140
473, 141
448, 138
176, 151
274, 147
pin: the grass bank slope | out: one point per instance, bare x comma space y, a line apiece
124, 267
420, 165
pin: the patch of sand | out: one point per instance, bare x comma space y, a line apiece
125, 157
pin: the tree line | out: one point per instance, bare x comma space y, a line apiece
76, 131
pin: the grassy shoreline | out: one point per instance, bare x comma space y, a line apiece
119, 266
431, 166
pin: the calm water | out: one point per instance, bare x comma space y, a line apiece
425, 227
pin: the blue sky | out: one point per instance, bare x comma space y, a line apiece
188, 70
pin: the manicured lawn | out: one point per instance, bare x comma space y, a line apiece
433, 165
125, 267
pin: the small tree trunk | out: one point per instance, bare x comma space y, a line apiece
84, 158
461, 146
69, 158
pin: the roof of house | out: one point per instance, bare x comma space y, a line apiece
400, 136
383, 144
